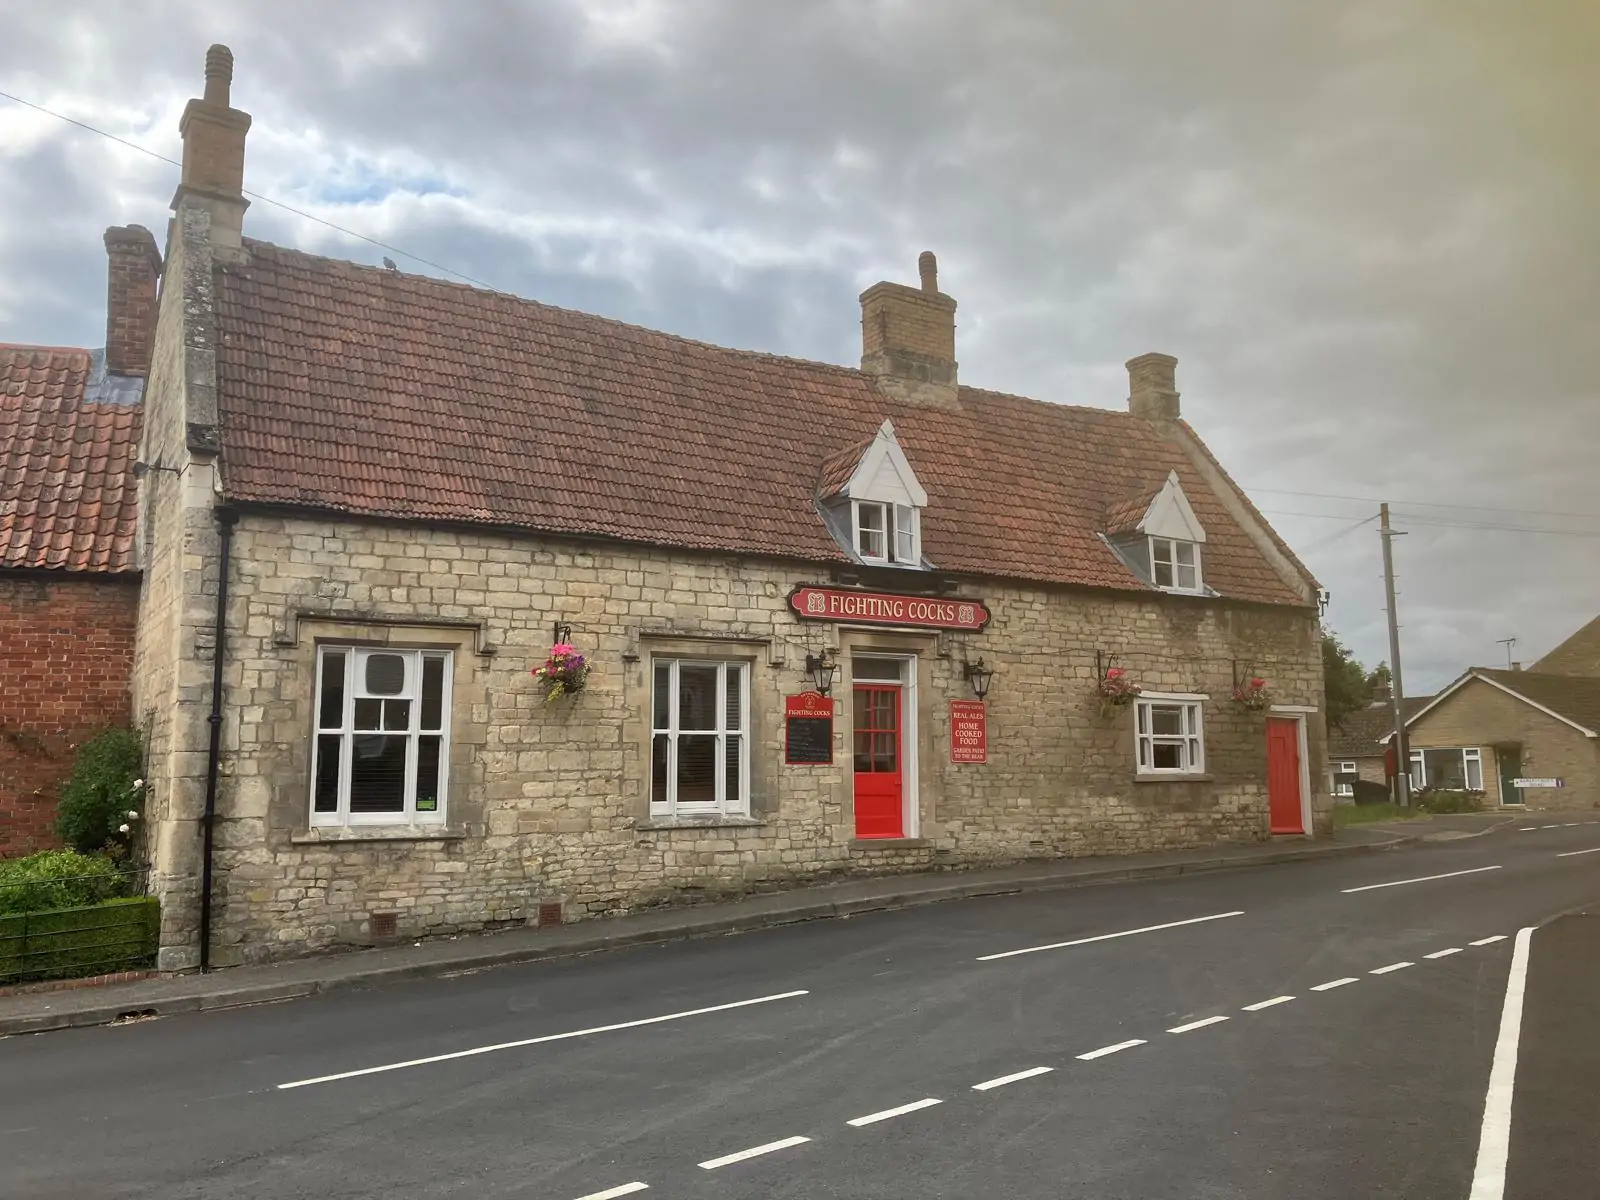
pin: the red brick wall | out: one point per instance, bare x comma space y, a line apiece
66, 653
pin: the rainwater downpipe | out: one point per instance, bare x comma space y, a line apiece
226, 519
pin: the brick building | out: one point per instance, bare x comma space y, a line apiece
69, 581
384, 497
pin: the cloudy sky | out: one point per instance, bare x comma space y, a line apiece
1367, 229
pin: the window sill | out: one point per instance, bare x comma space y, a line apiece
1176, 777
377, 833
705, 821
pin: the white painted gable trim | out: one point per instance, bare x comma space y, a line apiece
884, 475
1468, 678
1170, 515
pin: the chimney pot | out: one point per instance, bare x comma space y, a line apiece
132, 268
219, 75
1153, 387
928, 269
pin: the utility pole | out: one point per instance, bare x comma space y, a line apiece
1402, 751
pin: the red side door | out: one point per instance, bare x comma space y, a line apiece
1283, 776
879, 779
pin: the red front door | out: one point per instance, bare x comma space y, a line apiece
879, 810
1283, 776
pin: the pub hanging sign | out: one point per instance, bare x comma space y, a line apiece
813, 603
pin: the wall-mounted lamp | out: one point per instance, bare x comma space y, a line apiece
563, 633
141, 469
978, 675
821, 672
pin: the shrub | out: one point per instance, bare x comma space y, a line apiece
105, 787
1449, 800
58, 879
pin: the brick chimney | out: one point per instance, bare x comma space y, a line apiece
1153, 387
213, 152
908, 336
134, 265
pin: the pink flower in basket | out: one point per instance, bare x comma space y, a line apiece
1253, 693
564, 672
1116, 688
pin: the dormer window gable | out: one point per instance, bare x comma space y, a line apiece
875, 505
1163, 542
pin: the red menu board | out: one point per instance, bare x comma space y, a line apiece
969, 732
807, 729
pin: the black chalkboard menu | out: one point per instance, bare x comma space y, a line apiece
808, 729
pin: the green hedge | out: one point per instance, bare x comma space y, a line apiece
118, 935
1447, 800
54, 879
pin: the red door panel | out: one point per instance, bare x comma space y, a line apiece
1283, 776
878, 790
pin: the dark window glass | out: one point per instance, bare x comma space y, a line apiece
330, 711
396, 714
386, 674
1167, 756
377, 774
428, 772
432, 693
1166, 720
863, 751
731, 769
883, 751
735, 699
697, 698
661, 706
326, 799
697, 769
369, 714
658, 768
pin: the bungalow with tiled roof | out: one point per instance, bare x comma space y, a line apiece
1356, 749
69, 575
832, 620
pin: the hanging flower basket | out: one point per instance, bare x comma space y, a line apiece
1115, 690
1253, 694
564, 673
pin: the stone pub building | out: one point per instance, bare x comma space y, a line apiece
836, 620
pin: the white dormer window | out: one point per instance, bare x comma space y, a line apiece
887, 532
1175, 564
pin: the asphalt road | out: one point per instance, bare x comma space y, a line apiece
581, 1077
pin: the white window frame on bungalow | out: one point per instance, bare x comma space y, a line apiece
1345, 767
1190, 741
1181, 576
421, 726
1471, 758
667, 736
898, 531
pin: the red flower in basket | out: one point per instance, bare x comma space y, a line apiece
564, 672
1253, 693
1116, 688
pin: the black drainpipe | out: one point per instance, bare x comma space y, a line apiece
226, 519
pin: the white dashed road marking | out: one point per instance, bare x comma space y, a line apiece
1333, 983
1488, 941
1372, 887
1444, 953
626, 1189
1573, 853
1399, 966
989, 1085
1106, 937
1197, 1025
754, 1152
890, 1113
1260, 1004
1105, 1050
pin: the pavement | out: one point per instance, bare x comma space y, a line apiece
1316, 1031
41, 1011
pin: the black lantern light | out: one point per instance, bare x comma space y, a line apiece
821, 672
978, 675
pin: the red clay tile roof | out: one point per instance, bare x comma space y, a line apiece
1124, 516
1358, 736
838, 469
371, 392
67, 495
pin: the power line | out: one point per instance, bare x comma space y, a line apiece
1413, 519
1333, 537
1525, 512
299, 212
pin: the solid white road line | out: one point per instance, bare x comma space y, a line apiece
753, 1152
626, 1189
1572, 853
1444, 953
1105, 1050
1371, 887
1333, 983
1494, 1137
1488, 941
1106, 937
989, 1085
890, 1113
535, 1041
1399, 966
1197, 1025
1260, 1004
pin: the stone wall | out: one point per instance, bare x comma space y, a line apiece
1484, 716
550, 803
66, 652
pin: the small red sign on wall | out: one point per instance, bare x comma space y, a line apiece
807, 729
969, 732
